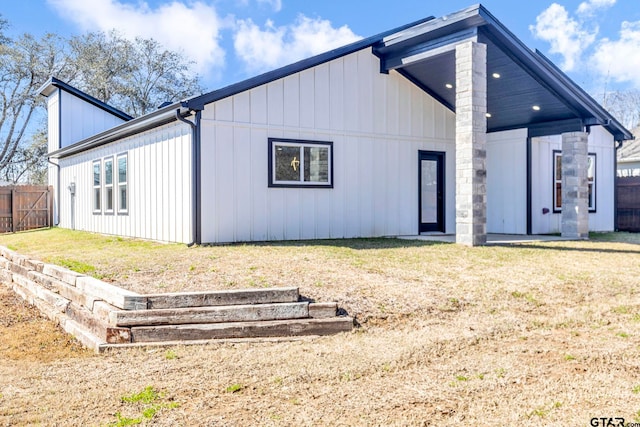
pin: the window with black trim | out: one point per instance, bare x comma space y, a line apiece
300, 163
108, 185
557, 181
97, 186
123, 200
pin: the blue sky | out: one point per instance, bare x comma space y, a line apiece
596, 42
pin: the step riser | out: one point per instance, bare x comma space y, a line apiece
110, 334
239, 330
238, 313
65, 290
218, 298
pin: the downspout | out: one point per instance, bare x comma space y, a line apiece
617, 146
57, 200
529, 186
195, 175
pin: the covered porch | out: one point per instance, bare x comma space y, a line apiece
478, 69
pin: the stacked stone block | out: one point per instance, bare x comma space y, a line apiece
575, 186
471, 143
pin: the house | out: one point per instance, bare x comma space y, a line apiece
445, 125
629, 157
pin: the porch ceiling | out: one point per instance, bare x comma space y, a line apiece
524, 89
510, 97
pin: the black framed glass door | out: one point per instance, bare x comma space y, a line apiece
431, 191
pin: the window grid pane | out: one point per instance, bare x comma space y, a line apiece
122, 169
96, 199
108, 172
316, 164
123, 198
288, 163
109, 194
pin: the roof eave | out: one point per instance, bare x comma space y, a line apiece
135, 126
53, 83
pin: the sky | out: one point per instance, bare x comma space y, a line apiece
596, 42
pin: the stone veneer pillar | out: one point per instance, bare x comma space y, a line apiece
575, 188
471, 143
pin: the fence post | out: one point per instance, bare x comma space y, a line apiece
14, 210
50, 204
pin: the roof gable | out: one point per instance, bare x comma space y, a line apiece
517, 77
55, 83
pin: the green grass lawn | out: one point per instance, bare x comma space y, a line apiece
540, 333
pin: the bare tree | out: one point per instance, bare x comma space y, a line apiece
29, 163
625, 106
25, 63
101, 62
134, 76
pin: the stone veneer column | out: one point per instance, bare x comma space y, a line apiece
471, 143
575, 188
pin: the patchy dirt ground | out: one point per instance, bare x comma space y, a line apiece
536, 334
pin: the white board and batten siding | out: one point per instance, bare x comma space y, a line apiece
159, 186
377, 124
601, 143
507, 182
53, 143
53, 120
80, 119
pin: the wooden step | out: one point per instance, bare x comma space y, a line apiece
65, 290
114, 295
107, 333
226, 313
216, 298
273, 328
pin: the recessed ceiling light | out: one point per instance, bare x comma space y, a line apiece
449, 86
488, 115
496, 75
536, 108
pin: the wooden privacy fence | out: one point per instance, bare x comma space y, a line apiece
628, 209
25, 207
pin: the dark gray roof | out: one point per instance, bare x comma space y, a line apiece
53, 82
423, 52
416, 51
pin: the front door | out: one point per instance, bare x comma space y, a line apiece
431, 191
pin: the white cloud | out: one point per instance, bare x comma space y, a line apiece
589, 7
275, 4
575, 38
565, 34
193, 30
619, 59
268, 48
